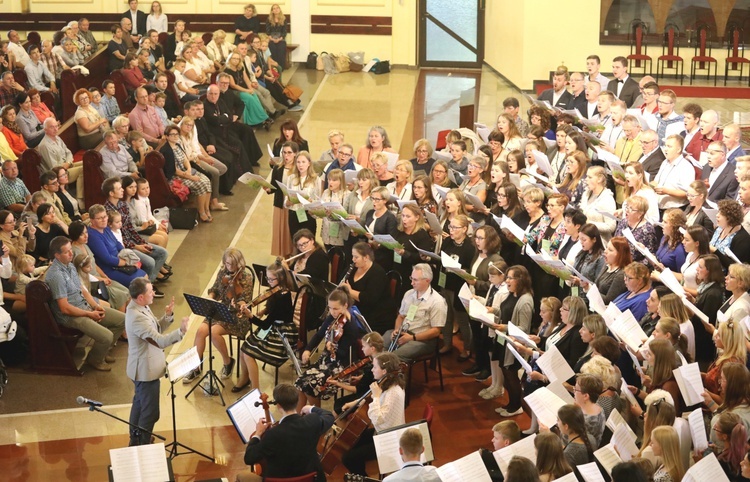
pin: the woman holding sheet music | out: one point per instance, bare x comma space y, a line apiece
737, 282
459, 247
412, 231
281, 237
597, 201
509, 205
666, 445
638, 284
660, 355
710, 297
697, 194
312, 262
475, 185
730, 238
635, 208
730, 339
696, 245
671, 252
305, 180
403, 174
381, 220
671, 306
454, 204
379, 163
556, 154
422, 193
735, 396
637, 185
574, 181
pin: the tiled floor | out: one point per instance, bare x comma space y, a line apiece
72, 443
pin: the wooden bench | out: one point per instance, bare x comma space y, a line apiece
52, 344
161, 195
72, 80
289, 49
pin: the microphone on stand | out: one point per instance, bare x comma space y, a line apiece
86, 401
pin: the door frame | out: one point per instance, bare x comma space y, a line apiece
423, 15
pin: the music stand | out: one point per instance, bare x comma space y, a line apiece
209, 309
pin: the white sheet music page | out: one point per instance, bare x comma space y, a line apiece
708, 468
608, 457
554, 365
624, 441
386, 448
698, 430
596, 302
590, 472
545, 405
183, 364
523, 448
466, 468
143, 463
245, 414
691, 385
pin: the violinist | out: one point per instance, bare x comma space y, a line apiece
340, 332
263, 341
288, 449
314, 263
232, 287
368, 287
358, 385
386, 410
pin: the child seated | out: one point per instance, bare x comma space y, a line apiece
160, 100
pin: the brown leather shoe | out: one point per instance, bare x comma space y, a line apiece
101, 366
110, 359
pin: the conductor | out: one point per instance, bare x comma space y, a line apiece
146, 361
289, 449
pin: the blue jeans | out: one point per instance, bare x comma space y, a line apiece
151, 263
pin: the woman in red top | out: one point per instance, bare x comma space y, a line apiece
39, 108
11, 130
131, 73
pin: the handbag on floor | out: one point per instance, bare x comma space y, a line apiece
382, 67
183, 218
319, 61
312, 61
342, 62
356, 61
293, 92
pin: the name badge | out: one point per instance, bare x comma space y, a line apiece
412, 313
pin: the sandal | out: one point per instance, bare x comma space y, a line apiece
205, 218
239, 388
220, 207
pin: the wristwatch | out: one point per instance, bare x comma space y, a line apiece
413, 335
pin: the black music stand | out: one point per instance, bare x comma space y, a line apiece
173, 447
209, 309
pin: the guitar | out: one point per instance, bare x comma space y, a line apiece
358, 478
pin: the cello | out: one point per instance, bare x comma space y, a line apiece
340, 439
258, 468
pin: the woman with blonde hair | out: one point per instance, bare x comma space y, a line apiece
474, 184
334, 232
89, 123
276, 30
218, 48
604, 370
305, 180
379, 165
729, 337
659, 412
737, 282
550, 460
412, 233
637, 185
671, 306
666, 444
401, 185
423, 160
453, 205
597, 199
380, 220
253, 114
506, 125
697, 194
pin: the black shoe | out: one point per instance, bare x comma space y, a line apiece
168, 267
267, 125
483, 375
473, 371
226, 193
158, 294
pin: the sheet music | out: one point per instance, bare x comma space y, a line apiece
590, 472
479, 312
545, 405
465, 295
669, 280
530, 172
448, 262
543, 162
608, 457
386, 447
571, 477
628, 330
249, 177
645, 252
401, 203
554, 365
698, 430
521, 336
624, 441
690, 306
423, 252
518, 357
245, 415
731, 254
183, 364
691, 385
559, 389
270, 151
475, 201
442, 191
615, 419
143, 463
515, 229
576, 273
433, 221
522, 448
636, 361
466, 468
627, 393
442, 155
711, 213
596, 302
484, 133
392, 160
290, 352
708, 468
515, 179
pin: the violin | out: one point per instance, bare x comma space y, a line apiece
265, 296
353, 368
335, 332
234, 289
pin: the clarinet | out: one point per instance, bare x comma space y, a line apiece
346, 275
395, 336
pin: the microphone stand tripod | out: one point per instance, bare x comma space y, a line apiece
173, 447
94, 408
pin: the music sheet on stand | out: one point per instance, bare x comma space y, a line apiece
466, 468
183, 364
143, 463
245, 415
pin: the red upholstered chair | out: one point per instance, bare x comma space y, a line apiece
670, 53
736, 60
337, 257
702, 59
639, 58
33, 38
19, 75
93, 177
161, 194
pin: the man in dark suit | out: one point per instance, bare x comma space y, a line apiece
289, 449
137, 17
732, 141
558, 96
719, 173
624, 87
653, 156
578, 87
225, 124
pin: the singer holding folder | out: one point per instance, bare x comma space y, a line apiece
146, 361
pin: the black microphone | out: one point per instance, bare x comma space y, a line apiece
84, 401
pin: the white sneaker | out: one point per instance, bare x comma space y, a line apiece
485, 390
492, 392
296, 108
505, 413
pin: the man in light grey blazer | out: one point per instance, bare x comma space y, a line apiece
146, 361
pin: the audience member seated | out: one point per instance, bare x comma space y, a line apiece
144, 119
39, 108
197, 156
55, 153
151, 229
12, 131
116, 161
69, 51
117, 49
106, 249
85, 34
131, 73
9, 89
16, 48
71, 205
13, 192
49, 228
20, 238
109, 102
152, 257
31, 128
89, 123
147, 68
218, 48
425, 325
38, 76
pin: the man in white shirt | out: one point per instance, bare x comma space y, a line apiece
425, 310
593, 89
668, 121
15, 47
593, 63
650, 107
674, 177
37, 74
613, 132
624, 87
411, 447
732, 141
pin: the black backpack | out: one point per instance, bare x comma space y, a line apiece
312, 60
